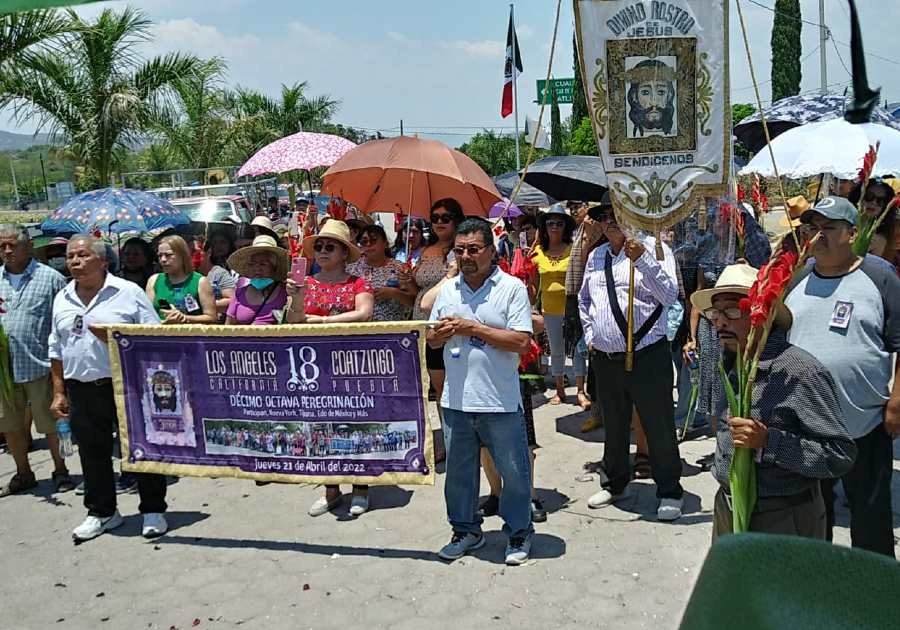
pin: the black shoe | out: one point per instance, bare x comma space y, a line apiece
538, 513
126, 483
490, 506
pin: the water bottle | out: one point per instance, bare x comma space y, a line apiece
64, 433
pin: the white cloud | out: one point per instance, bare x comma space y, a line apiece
485, 48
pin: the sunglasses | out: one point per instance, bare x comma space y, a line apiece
442, 218
321, 246
879, 198
471, 250
555, 224
732, 313
368, 241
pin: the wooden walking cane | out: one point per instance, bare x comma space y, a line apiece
629, 337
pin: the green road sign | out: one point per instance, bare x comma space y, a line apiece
564, 89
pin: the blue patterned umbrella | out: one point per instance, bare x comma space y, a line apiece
113, 210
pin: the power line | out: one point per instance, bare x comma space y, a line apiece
841, 59
750, 87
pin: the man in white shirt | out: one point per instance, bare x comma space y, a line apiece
82, 383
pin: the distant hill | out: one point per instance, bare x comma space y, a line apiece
17, 141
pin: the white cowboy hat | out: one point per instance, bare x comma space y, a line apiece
263, 225
336, 231
239, 260
738, 279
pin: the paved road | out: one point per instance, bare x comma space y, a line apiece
244, 556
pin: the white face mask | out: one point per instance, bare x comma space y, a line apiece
57, 263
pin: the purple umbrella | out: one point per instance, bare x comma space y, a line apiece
498, 208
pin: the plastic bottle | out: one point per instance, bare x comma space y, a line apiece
64, 433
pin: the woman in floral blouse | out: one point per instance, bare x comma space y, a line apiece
333, 295
392, 303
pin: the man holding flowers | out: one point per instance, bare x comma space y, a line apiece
794, 425
847, 315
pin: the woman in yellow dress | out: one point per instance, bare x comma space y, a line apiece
551, 257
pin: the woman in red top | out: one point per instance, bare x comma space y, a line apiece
332, 296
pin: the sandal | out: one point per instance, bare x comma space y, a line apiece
584, 401
19, 483
641, 466
62, 481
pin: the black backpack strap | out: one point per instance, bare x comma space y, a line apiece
621, 322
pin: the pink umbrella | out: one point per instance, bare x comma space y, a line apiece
299, 152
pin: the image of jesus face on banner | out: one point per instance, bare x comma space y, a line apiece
651, 96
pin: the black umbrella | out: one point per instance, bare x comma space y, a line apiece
528, 194
569, 177
794, 111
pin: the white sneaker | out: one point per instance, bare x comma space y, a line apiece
322, 505
669, 509
359, 505
604, 498
93, 526
154, 525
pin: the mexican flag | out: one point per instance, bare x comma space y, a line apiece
511, 69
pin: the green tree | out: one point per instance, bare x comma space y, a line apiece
579, 101
582, 141
739, 111
93, 91
493, 152
24, 34
557, 136
196, 126
786, 49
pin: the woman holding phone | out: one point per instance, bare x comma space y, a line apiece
179, 294
333, 295
261, 296
392, 303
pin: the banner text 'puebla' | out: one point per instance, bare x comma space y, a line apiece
304, 404
656, 79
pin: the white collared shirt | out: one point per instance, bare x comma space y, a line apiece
84, 356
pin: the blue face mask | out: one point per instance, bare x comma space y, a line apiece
261, 284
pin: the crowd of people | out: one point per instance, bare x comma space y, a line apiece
826, 405
314, 442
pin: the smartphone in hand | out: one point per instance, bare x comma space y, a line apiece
298, 270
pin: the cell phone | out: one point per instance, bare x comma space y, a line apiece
298, 270
523, 240
164, 305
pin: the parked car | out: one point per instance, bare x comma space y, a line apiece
225, 209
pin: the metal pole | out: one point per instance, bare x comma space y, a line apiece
44, 175
823, 40
401, 126
12, 169
515, 75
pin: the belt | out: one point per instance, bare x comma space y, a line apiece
100, 382
620, 356
767, 504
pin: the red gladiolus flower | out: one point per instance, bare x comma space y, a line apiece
868, 164
744, 304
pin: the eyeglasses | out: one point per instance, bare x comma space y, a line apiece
733, 312
471, 250
368, 241
442, 218
555, 224
322, 246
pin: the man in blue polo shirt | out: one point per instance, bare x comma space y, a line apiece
483, 321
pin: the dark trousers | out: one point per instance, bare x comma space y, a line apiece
802, 514
92, 416
868, 490
648, 387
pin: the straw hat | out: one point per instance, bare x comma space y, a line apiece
738, 279
263, 225
240, 260
336, 231
796, 206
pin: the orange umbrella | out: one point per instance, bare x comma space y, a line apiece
406, 175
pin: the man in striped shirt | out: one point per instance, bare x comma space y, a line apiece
603, 305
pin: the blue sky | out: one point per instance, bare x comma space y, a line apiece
439, 65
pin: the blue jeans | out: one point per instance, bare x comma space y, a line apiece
553, 324
503, 434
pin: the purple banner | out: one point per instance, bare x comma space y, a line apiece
319, 408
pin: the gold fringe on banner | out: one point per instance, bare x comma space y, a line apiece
660, 254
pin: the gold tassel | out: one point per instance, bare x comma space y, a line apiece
660, 255
701, 218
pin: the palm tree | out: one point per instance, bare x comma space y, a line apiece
197, 127
23, 34
93, 91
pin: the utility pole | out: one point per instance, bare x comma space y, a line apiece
515, 74
12, 169
44, 176
823, 42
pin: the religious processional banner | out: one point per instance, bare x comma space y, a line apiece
302, 404
656, 80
